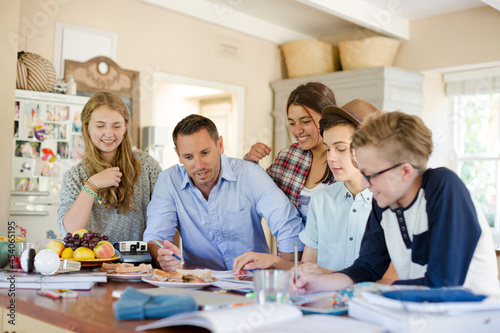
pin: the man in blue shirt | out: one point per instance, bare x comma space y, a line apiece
216, 203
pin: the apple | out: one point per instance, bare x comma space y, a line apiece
56, 246
80, 232
104, 250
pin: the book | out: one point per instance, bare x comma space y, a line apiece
269, 317
23, 277
73, 280
82, 285
423, 318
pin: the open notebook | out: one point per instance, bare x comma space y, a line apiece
270, 317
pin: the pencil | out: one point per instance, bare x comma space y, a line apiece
296, 255
160, 244
177, 257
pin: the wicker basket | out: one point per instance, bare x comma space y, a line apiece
310, 57
368, 52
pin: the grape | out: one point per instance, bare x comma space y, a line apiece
98, 235
85, 245
70, 244
69, 234
71, 239
96, 239
76, 236
74, 248
66, 239
77, 242
105, 237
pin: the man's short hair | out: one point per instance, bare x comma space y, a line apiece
399, 137
192, 124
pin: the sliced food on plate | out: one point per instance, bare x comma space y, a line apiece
126, 268
184, 275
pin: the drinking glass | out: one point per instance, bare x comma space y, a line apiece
271, 285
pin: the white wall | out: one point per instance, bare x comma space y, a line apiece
152, 39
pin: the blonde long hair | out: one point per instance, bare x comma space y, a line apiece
121, 197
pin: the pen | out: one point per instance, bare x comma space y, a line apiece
161, 245
296, 256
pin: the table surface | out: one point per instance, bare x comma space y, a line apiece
92, 311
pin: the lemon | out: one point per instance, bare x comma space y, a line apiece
83, 253
67, 253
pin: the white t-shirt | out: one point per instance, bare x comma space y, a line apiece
305, 197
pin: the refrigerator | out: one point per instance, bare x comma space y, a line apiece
47, 142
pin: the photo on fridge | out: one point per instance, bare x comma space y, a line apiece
28, 149
16, 111
51, 131
16, 129
57, 113
47, 169
62, 150
62, 132
77, 123
26, 184
78, 147
32, 116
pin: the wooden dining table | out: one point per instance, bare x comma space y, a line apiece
92, 311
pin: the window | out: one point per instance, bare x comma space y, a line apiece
476, 135
477, 149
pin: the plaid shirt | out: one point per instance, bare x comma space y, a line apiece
290, 169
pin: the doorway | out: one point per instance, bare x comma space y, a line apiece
176, 97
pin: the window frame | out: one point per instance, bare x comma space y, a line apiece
460, 157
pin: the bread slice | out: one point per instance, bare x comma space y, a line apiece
107, 267
142, 268
163, 276
197, 273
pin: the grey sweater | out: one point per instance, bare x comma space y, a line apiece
118, 227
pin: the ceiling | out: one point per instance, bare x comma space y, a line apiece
282, 21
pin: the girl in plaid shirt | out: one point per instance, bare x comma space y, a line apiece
300, 169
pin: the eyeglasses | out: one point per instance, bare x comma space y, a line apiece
367, 178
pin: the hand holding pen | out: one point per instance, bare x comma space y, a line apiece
168, 256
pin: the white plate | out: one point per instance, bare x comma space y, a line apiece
189, 285
127, 277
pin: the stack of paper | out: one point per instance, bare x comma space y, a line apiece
429, 317
227, 281
75, 281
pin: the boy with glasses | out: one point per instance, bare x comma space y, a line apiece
422, 219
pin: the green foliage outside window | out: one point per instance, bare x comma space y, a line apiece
479, 148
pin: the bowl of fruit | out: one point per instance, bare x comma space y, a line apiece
90, 249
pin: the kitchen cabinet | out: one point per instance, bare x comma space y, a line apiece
388, 88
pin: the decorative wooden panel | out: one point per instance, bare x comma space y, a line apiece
103, 74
